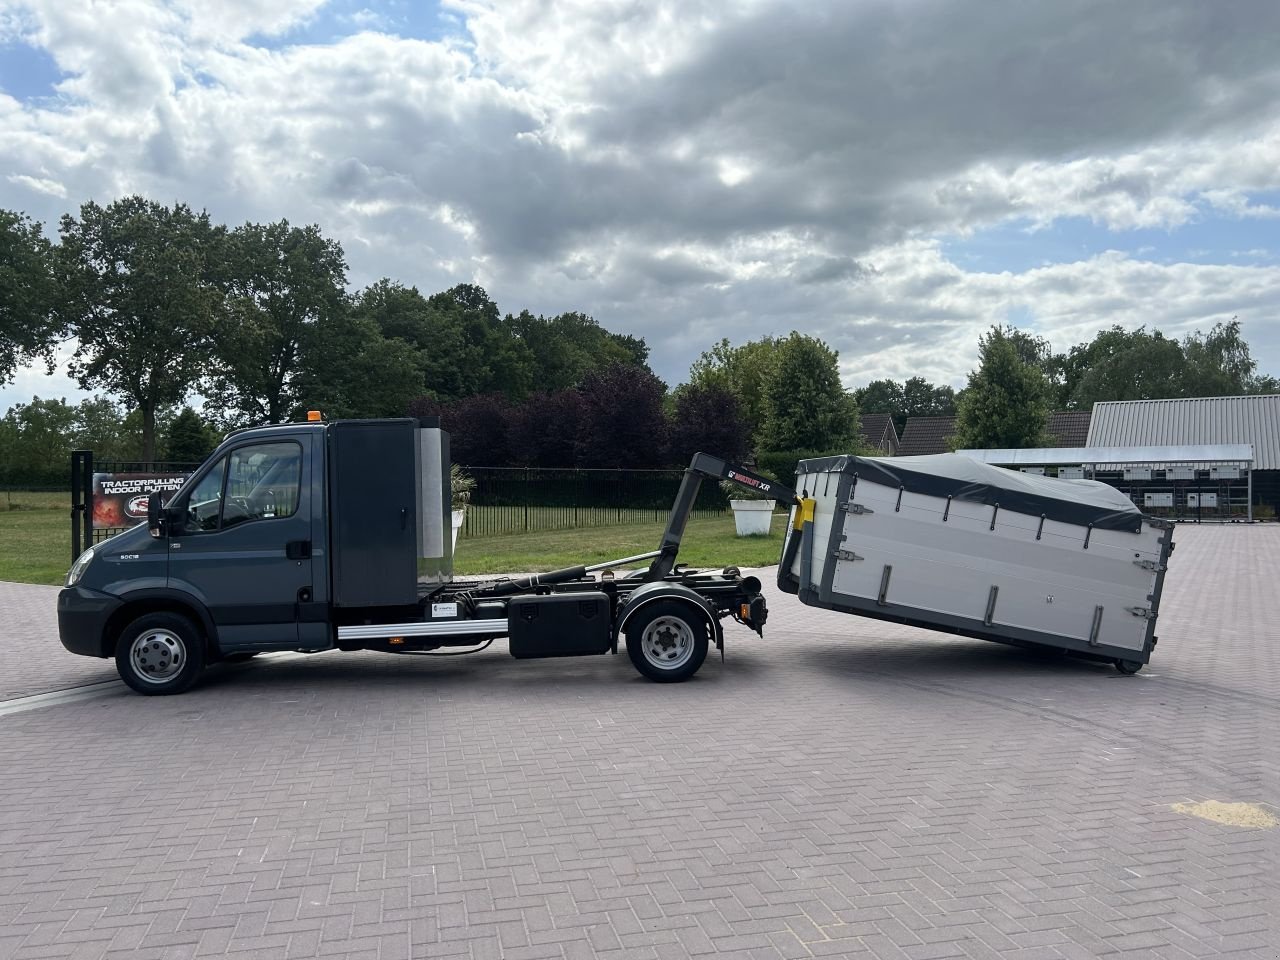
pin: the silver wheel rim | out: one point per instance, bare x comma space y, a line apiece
157, 655
667, 643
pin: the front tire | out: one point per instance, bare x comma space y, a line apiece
667, 640
160, 654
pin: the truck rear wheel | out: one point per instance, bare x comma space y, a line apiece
160, 653
667, 640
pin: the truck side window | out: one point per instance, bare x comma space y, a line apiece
205, 503
262, 483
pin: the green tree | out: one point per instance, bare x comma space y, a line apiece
621, 418
1218, 363
1263, 383
563, 348
1006, 404
189, 439
283, 285
485, 354
883, 396
805, 405
351, 370
140, 298
28, 293
743, 371
99, 426
465, 347
915, 398
35, 442
707, 418
1121, 364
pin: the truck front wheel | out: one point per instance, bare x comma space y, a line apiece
667, 640
160, 653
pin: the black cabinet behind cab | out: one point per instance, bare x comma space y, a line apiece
373, 512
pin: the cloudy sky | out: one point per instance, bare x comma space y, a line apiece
890, 175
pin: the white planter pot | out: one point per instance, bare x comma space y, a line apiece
752, 517
458, 517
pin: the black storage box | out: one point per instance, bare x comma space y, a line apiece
373, 504
558, 625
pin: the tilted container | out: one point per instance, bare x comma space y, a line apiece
952, 544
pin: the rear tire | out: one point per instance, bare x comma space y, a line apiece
160, 654
667, 640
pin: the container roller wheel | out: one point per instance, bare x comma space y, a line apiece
1128, 667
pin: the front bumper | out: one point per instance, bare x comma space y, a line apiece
82, 620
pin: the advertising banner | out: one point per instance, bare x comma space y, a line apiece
120, 499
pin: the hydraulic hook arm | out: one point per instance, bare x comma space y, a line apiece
702, 466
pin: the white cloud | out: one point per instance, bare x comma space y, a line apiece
39, 184
695, 170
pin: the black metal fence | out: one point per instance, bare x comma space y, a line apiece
505, 500
89, 523
524, 499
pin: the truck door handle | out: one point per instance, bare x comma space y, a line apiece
298, 550
404, 517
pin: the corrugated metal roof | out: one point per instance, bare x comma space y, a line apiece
1195, 420
1240, 453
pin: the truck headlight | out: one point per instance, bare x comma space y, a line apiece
79, 567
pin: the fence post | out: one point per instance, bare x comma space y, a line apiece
81, 501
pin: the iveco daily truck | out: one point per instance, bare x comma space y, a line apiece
320, 536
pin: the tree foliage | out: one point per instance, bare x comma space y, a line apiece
917, 397
743, 371
140, 289
1006, 404
564, 348
480, 429
805, 404
349, 369
622, 419
36, 442
284, 297
28, 293
1120, 364
544, 429
190, 439
707, 417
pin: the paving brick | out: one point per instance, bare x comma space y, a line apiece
841, 788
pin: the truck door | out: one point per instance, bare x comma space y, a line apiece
243, 545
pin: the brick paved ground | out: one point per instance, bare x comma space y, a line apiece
842, 788
31, 659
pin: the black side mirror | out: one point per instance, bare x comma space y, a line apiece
155, 515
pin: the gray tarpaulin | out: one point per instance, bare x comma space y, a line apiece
1082, 502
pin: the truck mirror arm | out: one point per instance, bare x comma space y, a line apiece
704, 465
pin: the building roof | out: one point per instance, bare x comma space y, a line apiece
1186, 454
878, 429
1069, 427
1194, 420
925, 435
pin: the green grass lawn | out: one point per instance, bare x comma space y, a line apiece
35, 545
35, 537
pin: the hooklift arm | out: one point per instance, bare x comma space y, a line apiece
705, 465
